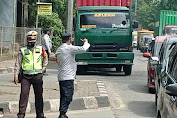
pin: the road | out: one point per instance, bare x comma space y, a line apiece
128, 95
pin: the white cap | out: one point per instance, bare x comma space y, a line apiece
31, 33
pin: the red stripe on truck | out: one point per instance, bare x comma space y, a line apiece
80, 3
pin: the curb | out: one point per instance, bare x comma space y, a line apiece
6, 70
52, 105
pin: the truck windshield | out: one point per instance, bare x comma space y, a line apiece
104, 20
171, 31
147, 35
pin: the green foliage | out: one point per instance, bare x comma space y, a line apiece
56, 21
147, 9
146, 13
53, 22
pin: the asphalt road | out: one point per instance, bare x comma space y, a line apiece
128, 95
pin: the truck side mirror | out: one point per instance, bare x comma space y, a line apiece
135, 24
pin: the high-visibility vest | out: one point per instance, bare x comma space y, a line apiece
32, 60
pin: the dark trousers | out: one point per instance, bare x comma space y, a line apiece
47, 53
66, 94
37, 82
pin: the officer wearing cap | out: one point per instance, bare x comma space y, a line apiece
67, 70
31, 63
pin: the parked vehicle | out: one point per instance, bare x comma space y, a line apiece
165, 23
109, 31
134, 41
152, 62
163, 61
134, 33
144, 38
167, 93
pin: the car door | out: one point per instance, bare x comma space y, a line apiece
159, 67
164, 101
169, 102
173, 99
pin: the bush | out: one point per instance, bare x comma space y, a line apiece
53, 22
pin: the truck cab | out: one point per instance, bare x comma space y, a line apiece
170, 30
109, 31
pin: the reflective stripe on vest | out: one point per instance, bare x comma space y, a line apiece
32, 60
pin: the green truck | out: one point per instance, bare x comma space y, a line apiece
166, 23
109, 31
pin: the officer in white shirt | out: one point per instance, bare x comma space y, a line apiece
47, 42
67, 70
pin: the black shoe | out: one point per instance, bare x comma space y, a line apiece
41, 117
63, 116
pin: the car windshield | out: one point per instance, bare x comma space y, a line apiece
147, 35
168, 50
171, 31
104, 20
157, 48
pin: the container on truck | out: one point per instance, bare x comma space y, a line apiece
166, 23
108, 27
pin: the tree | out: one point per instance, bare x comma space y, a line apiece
146, 14
147, 10
56, 21
53, 22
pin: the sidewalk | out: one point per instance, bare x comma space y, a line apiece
88, 94
99, 113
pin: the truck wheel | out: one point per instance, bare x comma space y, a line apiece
81, 70
127, 69
119, 68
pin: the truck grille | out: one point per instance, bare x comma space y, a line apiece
108, 48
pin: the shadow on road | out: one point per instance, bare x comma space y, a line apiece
104, 73
138, 88
143, 108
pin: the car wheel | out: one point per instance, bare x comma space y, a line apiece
156, 97
150, 90
127, 69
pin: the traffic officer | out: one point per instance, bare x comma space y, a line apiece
31, 61
67, 70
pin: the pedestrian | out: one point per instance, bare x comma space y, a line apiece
32, 60
67, 70
47, 42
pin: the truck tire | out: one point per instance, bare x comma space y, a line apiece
119, 68
127, 69
81, 70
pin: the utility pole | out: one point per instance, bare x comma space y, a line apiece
37, 17
70, 16
136, 5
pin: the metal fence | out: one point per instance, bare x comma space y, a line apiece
12, 38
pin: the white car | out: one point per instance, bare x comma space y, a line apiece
134, 41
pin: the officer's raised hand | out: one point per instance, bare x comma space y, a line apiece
84, 40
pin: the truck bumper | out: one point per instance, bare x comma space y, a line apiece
105, 58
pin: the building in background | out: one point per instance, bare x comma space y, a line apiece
8, 13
